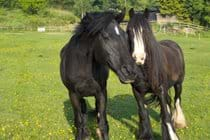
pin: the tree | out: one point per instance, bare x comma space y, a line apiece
66, 4
142, 4
207, 13
82, 6
9, 3
199, 11
33, 6
174, 7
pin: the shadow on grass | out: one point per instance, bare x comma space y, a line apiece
120, 107
124, 107
91, 121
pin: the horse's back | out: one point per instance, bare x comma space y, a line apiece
172, 49
174, 60
171, 44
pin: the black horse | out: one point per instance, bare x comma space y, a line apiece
97, 44
163, 66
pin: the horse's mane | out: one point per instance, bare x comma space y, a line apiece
153, 65
94, 22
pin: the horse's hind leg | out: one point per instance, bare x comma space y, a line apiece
101, 116
178, 115
79, 107
168, 131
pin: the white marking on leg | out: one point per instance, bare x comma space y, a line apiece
139, 53
178, 116
98, 132
172, 134
98, 114
168, 109
117, 30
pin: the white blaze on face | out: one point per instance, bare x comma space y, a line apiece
139, 53
117, 30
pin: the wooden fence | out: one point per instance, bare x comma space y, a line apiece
67, 28
175, 28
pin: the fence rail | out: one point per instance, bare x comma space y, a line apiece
66, 28
175, 27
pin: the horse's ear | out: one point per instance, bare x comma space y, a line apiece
146, 13
131, 12
119, 17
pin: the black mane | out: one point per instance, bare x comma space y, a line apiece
94, 22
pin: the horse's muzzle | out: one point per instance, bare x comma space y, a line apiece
126, 74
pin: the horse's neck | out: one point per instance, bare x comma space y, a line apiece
83, 52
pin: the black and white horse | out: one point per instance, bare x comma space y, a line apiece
163, 67
97, 44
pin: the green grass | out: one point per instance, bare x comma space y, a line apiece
34, 104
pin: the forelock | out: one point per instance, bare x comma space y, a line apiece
99, 21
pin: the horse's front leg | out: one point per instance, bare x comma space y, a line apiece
168, 131
145, 129
103, 129
79, 107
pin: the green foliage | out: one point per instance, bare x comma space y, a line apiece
185, 10
63, 4
32, 6
82, 6
207, 14
9, 3
142, 4
60, 15
49, 17
174, 7
199, 11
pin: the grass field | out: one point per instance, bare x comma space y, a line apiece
48, 17
34, 104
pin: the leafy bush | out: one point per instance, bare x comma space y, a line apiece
33, 6
48, 17
62, 15
9, 3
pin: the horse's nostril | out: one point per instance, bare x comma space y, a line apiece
138, 63
134, 57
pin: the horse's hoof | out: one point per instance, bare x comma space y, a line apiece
100, 135
144, 136
180, 125
98, 132
86, 137
86, 134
